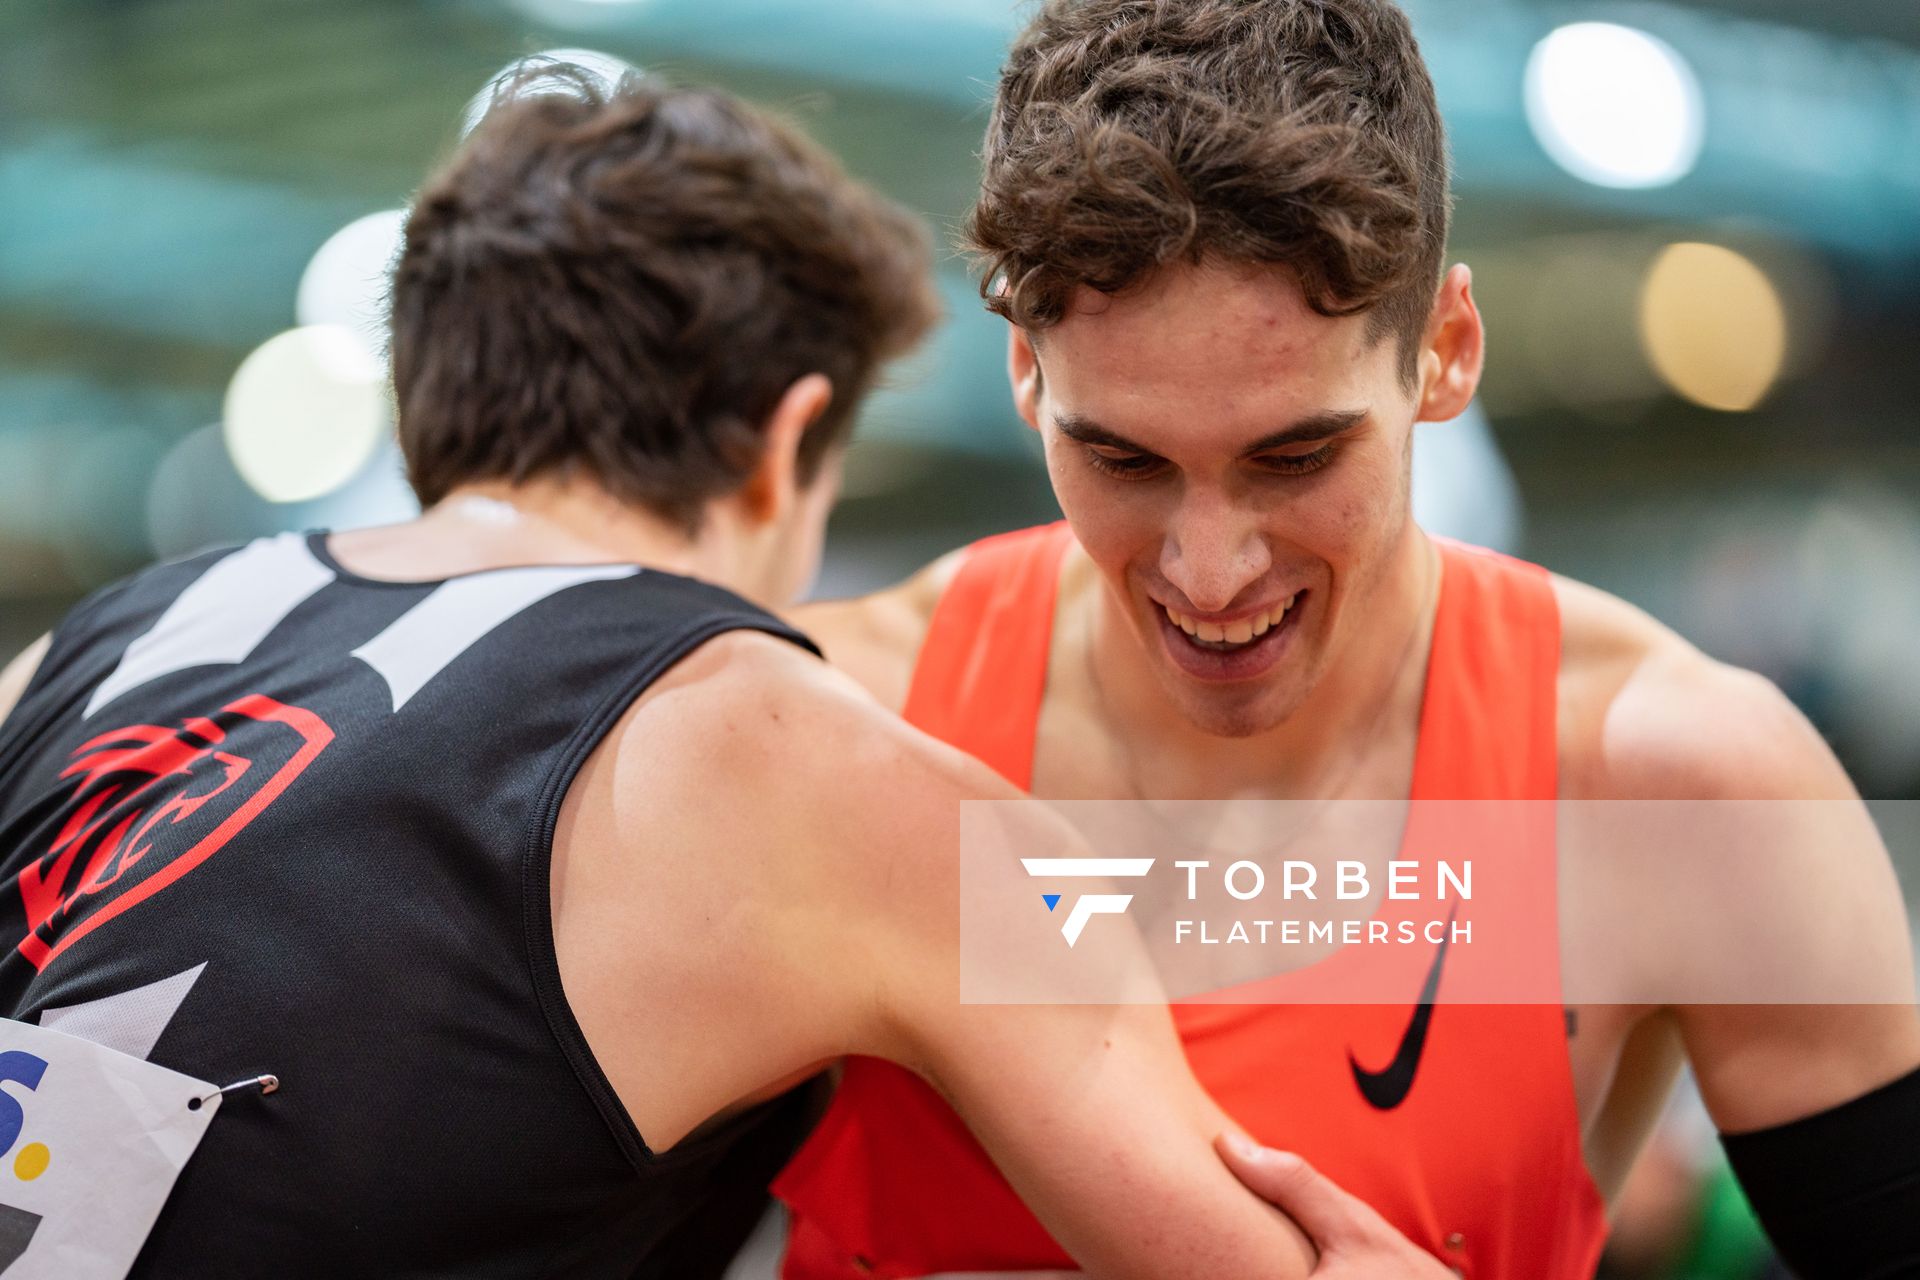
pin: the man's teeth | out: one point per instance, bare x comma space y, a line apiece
1232, 633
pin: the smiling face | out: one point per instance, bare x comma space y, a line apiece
1236, 466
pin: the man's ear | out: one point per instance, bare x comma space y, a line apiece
774, 484
1454, 350
1023, 373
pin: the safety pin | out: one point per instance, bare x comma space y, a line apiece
267, 1085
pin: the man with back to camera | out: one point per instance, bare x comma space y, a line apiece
494, 835
1217, 228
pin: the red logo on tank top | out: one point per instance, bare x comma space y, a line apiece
151, 804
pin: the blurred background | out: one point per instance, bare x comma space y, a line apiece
1695, 230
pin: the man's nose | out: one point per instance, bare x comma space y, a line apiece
1212, 553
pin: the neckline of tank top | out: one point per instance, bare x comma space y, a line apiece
316, 540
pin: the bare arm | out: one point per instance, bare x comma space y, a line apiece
1827, 905
19, 673
1841, 918
790, 895
1090, 1111
1093, 1116
1644, 716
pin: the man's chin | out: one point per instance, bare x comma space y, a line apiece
1234, 713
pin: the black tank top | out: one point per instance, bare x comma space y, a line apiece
317, 811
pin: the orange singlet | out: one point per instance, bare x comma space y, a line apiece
1480, 1162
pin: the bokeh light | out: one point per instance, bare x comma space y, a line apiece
346, 282
196, 499
1462, 486
605, 69
1615, 106
1713, 326
305, 412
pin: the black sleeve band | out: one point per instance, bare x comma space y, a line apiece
1839, 1192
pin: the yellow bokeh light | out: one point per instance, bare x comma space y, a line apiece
1713, 326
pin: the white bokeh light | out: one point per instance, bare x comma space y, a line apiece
305, 411
346, 282
605, 68
1615, 106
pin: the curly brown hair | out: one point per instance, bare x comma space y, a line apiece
623, 282
1129, 134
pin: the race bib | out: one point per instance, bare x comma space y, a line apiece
91, 1140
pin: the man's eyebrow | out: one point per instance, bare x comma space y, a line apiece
1077, 426
1317, 426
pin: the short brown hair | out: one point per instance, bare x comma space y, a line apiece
1128, 134
623, 282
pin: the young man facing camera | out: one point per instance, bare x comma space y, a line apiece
538, 864
1218, 227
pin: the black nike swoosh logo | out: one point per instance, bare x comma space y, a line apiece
1388, 1088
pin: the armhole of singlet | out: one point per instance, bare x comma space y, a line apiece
1544, 763
1532, 593
1501, 627
1494, 667
537, 888
1536, 626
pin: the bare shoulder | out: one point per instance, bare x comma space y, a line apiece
789, 739
875, 638
1646, 715
749, 708
1780, 940
753, 808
